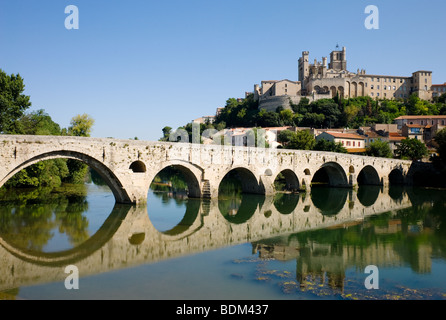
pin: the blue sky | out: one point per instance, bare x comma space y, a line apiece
136, 66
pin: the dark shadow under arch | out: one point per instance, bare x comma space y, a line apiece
368, 176
330, 174
396, 177
287, 180
247, 179
138, 167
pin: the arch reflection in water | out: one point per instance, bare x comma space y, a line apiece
53, 219
173, 216
239, 209
329, 200
74, 254
368, 195
128, 237
285, 203
178, 208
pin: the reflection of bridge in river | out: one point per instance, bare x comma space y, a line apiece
128, 238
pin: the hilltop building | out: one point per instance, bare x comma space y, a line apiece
438, 89
328, 79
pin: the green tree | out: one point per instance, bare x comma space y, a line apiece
166, 133
440, 140
36, 123
285, 136
379, 148
13, 103
313, 120
302, 140
412, 149
286, 116
48, 173
81, 125
331, 146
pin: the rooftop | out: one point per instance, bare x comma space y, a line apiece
421, 117
344, 135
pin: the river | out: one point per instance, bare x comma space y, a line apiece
286, 247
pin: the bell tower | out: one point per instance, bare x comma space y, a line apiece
304, 69
338, 59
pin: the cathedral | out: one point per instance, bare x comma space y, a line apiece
323, 79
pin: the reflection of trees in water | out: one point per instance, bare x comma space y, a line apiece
234, 205
239, 208
286, 203
170, 183
28, 217
411, 236
230, 186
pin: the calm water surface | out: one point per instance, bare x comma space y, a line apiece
239, 247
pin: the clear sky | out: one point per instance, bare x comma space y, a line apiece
136, 66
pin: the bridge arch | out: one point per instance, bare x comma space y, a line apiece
138, 167
331, 174
396, 177
369, 176
109, 177
290, 180
247, 178
191, 173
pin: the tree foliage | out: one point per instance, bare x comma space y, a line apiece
81, 125
379, 148
330, 146
302, 140
15, 120
412, 149
13, 103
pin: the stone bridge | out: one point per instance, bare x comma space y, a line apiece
129, 166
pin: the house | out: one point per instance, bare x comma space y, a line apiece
394, 139
204, 119
413, 131
438, 89
245, 136
354, 143
421, 120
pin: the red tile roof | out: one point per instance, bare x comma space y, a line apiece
344, 135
